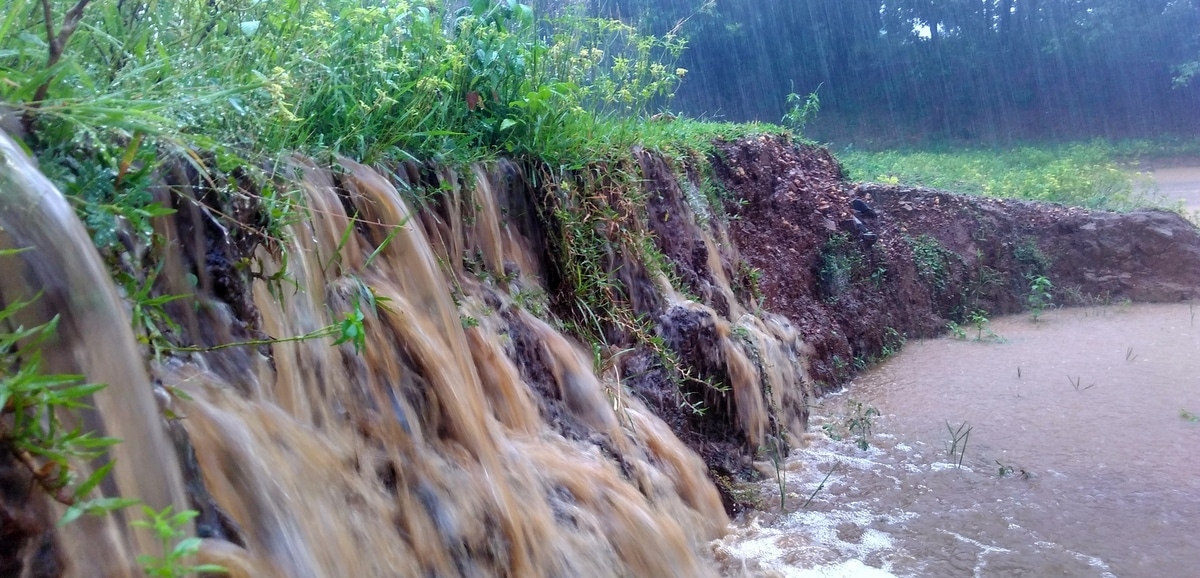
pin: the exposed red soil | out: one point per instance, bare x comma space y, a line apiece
788, 201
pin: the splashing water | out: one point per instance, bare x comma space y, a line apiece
1079, 461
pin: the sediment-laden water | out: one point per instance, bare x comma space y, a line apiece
1080, 461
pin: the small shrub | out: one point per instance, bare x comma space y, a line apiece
1039, 297
983, 332
168, 528
803, 110
857, 423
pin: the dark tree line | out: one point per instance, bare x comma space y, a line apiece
992, 70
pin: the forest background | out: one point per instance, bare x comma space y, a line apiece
897, 72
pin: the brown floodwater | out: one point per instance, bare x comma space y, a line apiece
1178, 184
1081, 458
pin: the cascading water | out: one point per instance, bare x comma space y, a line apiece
469, 437
60, 268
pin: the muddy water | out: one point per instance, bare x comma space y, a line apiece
1084, 413
1176, 184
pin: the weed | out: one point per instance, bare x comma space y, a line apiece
1185, 414
532, 300
168, 528
892, 342
878, 276
820, 486
983, 332
1077, 383
753, 277
742, 493
839, 366
1039, 297
957, 446
985, 280
803, 109
931, 259
1030, 257
856, 423
841, 263
1004, 470
1130, 356
956, 330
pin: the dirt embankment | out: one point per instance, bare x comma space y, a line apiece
855, 284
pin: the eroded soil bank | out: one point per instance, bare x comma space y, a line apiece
935, 256
542, 354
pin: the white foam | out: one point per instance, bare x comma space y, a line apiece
845, 569
943, 466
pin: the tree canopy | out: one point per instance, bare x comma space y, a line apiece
947, 69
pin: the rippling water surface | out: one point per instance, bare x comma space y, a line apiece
1081, 458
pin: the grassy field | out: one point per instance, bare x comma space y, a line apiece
1095, 174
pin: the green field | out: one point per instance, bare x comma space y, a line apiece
1095, 174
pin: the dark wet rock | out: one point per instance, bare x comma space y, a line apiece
863, 209
28, 544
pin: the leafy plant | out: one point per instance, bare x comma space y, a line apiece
32, 430
33, 433
1031, 258
1039, 295
803, 110
856, 423
168, 528
893, 341
841, 264
983, 332
931, 259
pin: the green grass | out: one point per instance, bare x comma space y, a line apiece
231, 87
1094, 174
374, 81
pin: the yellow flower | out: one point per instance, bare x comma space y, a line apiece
680, 72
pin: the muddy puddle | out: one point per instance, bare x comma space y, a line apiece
1075, 454
1175, 185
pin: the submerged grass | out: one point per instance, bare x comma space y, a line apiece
1095, 174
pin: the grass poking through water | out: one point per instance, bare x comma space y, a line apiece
1077, 383
957, 446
